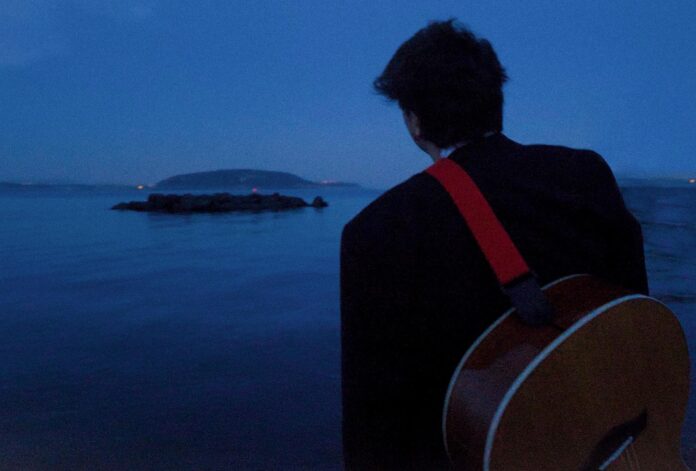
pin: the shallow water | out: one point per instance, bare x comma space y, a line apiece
155, 341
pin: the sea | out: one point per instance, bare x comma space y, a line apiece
209, 341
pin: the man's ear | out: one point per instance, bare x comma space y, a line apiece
414, 128
412, 123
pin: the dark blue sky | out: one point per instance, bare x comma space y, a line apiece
137, 90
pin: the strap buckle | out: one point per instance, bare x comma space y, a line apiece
529, 300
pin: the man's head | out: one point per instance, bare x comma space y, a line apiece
448, 82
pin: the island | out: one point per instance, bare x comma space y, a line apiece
244, 178
218, 203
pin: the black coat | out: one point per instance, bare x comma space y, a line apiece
416, 291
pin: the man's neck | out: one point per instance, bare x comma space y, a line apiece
444, 153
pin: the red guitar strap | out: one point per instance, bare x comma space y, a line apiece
494, 241
513, 274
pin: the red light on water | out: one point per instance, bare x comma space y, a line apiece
253, 190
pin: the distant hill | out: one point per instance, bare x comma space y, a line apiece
242, 178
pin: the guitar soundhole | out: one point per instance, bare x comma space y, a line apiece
615, 442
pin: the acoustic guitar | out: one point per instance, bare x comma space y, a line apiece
578, 375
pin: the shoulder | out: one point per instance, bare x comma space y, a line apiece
554, 164
583, 157
592, 170
551, 149
391, 212
581, 168
582, 172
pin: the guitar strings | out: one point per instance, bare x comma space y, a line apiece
626, 461
630, 459
634, 457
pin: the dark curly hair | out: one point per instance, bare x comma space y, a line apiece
450, 79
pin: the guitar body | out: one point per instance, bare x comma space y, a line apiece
605, 386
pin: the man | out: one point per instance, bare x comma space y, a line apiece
415, 289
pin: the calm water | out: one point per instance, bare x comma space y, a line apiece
151, 341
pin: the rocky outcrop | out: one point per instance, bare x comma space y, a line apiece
218, 203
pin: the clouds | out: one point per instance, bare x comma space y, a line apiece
32, 30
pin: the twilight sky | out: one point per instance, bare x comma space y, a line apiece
133, 91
